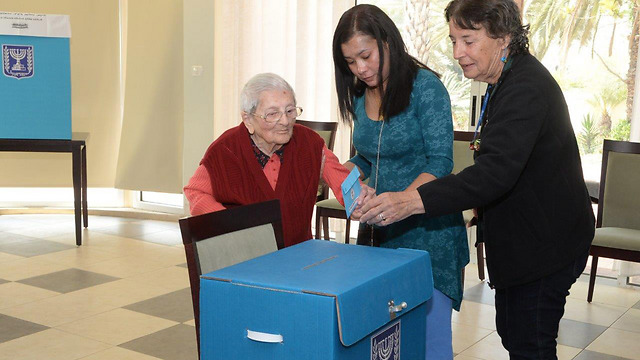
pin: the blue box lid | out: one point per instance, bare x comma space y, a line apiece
363, 280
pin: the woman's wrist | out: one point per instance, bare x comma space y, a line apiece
415, 202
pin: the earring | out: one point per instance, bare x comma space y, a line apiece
504, 56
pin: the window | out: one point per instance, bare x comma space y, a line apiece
426, 36
157, 201
586, 47
59, 197
584, 44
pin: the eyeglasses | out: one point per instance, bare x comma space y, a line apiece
274, 116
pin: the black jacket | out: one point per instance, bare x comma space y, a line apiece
527, 181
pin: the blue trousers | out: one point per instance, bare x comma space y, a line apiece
528, 316
439, 327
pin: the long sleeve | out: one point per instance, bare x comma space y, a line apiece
334, 173
198, 192
516, 115
434, 114
363, 164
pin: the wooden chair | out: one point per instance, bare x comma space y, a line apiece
331, 208
618, 222
223, 238
327, 131
462, 158
325, 207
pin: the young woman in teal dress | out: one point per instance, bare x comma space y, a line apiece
403, 134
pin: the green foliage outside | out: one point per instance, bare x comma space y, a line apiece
621, 130
584, 43
604, 102
589, 138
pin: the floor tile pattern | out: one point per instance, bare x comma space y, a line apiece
124, 294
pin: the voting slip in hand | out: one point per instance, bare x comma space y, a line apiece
351, 190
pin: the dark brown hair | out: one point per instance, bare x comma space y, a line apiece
498, 17
403, 68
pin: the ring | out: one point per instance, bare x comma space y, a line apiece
381, 217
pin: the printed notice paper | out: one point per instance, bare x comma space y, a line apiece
351, 190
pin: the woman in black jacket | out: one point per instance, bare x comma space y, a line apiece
534, 210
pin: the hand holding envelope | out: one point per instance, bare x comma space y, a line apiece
355, 194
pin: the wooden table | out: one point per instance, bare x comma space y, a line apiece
78, 149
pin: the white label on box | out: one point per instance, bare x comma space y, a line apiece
34, 25
385, 344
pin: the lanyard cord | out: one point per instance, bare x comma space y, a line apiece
475, 143
485, 102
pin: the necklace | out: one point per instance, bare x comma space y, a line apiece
375, 182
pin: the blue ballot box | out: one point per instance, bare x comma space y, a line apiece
35, 84
318, 300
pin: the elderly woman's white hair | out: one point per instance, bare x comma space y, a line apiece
259, 83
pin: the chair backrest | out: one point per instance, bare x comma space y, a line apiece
462, 156
619, 198
223, 238
327, 130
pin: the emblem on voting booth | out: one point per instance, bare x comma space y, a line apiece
385, 345
17, 61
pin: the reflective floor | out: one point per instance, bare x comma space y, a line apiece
124, 294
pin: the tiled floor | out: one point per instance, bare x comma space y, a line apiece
124, 294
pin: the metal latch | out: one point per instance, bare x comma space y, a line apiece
393, 308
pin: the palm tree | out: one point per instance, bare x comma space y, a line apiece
458, 88
612, 8
428, 33
571, 22
428, 42
564, 21
604, 102
633, 56
418, 28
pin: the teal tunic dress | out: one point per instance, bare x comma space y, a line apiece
418, 140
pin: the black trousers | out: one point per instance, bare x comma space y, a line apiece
528, 316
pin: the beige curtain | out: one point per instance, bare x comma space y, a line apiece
150, 156
291, 38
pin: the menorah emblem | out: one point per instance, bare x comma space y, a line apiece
385, 345
18, 54
17, 61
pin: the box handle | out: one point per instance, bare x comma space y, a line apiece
264, 337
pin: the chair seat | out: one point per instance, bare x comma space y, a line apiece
330, 204
618, 238
467, 215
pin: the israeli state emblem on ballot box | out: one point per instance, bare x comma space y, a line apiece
318, 300
35, 85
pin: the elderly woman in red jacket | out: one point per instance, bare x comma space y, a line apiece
267, 156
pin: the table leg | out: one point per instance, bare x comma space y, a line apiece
76, 154
85, 208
